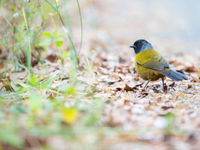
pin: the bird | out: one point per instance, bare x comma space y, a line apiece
151, 66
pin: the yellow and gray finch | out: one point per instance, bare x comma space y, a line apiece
151, 66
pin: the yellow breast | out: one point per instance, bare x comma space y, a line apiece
146, 73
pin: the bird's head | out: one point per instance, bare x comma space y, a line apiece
141, 45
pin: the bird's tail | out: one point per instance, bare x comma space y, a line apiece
174, 75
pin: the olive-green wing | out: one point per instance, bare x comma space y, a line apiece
156, 63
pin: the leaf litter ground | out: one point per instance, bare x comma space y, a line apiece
156, 118
144, 118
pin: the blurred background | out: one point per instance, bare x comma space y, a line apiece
173, 24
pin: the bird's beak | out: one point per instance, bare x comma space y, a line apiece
132, 46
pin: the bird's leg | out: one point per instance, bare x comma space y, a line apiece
146, 84
163, 84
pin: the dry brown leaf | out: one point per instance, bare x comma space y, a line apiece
189, 86
128, 88
175, 63
167, 107
195, 80
52, 58
190, 69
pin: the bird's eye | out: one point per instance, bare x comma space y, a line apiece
139, 44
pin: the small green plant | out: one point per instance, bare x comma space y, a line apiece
51, 38
41, 105
170, 118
